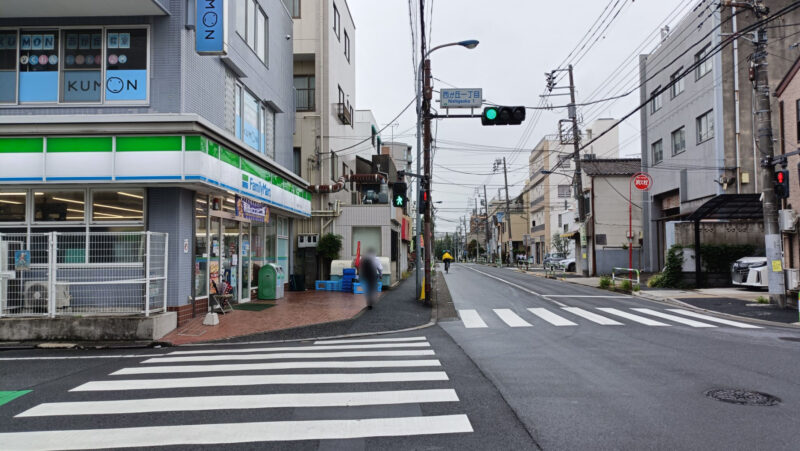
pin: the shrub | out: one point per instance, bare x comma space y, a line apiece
673, 269
762, 300
329, 246
718, 258
626, 285
605, 282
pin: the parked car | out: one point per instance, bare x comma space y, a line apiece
567, 264
552, 259
750, 272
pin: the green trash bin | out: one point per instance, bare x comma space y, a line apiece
270, 282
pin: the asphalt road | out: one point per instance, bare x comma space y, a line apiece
587, 370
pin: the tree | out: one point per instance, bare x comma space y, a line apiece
560, 244
329, 246
471, 248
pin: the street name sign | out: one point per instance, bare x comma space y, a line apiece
461, 98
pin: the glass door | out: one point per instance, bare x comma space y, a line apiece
230, 258
246, 258
215, 283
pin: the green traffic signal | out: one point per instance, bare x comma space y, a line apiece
491, 113
399, 201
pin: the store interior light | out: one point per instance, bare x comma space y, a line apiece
68, 200
75, 211
12, 194
123, 193
116, 208
10, 202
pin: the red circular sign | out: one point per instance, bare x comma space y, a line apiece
642, 181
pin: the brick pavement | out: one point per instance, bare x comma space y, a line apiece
296, 309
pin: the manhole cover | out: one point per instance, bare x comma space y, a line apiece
797, 339
743, 397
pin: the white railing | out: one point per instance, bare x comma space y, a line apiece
65, 274
616, 274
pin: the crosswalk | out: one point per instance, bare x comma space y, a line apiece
335, 374
604, 316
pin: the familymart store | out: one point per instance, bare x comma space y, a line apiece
226, 211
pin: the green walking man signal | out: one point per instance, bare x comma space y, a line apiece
399, 190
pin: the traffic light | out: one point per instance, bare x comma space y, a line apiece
424, 198
399, 192
782, 184
503, 115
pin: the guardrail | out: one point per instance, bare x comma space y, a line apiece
630, 271
553, 271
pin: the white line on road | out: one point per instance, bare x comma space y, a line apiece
632, 317
139, 356
511, 318
261, 379
581, 296
291, 355
516, 286
593, 317
471, 319
677, 319
551, 317
275, 366
714, 319
270, 401
366, 340
227, 433
415, 344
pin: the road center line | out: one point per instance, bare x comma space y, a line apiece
516, 286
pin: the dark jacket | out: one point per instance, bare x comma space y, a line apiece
368, 272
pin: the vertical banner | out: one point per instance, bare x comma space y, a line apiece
210, 27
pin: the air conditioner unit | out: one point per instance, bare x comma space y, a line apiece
36, 295
792, 279
787, 219
307, 240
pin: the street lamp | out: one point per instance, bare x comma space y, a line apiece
468, 44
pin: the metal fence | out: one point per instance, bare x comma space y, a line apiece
50, 274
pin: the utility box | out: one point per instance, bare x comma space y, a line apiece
270, 282
787, 220
792, 279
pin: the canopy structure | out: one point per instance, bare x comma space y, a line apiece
82, 8
724, 207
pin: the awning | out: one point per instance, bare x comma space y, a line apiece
572, 234
730, 207
82, 8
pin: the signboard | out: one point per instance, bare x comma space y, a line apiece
461, 98
252, 210
642, 181
22, 260
210, 27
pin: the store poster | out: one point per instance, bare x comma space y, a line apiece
22, 260
126, 84
82, 86
38, 86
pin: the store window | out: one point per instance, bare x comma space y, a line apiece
118, 205
8, 66
126, 71
38, 66
250, 120
81, 77
50, 206
201, 247
12, 206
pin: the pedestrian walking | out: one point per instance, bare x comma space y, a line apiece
369, 273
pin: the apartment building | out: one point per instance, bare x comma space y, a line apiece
697, 138
112, 122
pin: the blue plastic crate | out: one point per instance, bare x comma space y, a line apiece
335, 285
348, 271
358, 288
321, 285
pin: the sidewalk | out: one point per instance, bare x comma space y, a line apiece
311, 314
730, 301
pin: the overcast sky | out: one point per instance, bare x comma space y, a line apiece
520, 40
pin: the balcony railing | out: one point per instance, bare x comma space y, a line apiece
344, 114
304, 99
537, 228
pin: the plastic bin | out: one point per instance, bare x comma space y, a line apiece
358, 288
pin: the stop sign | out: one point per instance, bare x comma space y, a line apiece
642, 181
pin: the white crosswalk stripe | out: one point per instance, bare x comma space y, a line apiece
314, 387
593, 317
714, 319
632, 317
511, 318
677, 319
471, 319
551, 317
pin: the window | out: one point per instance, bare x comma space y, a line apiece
250, 120
334, 165
81, 74
262, 25
560, 221
201, 247
297, 160
655, 104
336, 21
252, 25
341, 96
797, 117
237, 106
564, 191
704, 64
118, 205
705, 127
565, 161
352, 121
601, 239
370, 238
304, 92
59, 205
347, 46
241, 19
12, 206
677, 84
8, 66
658, 151
294, 8
268, 132
91, 65
678, 141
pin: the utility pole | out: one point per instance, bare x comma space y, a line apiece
427, 95
576, 138
508, 209
486, 218
763, 119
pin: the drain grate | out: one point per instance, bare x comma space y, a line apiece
797, 339
743, 397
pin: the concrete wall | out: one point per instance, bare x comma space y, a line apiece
96, 328
171, 210
609, 258
721, 233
